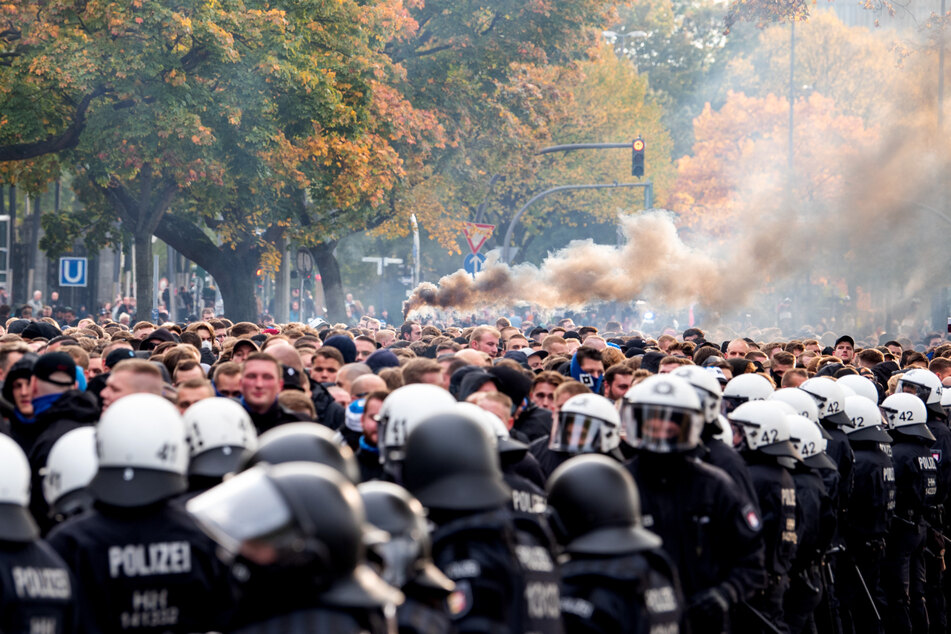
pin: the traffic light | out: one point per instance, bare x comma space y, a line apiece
637, 157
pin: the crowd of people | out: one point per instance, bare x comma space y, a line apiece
259, 477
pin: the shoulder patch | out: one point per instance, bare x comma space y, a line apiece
751, 517
937, 454
460, 601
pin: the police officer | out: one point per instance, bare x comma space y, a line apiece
528, 498
505, 575
220, 436
401, 411
927, 386
713, 450
870, 514
710, 532
916, 482
615, 577
141, 562
815, 524
302, 522
405, 557
744, 388
830, 400
37, 592
770, 455
70, 468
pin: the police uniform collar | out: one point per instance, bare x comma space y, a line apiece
493, 521
626, 567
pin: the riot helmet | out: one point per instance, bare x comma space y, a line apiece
143, 456
829, 398
906, 414
304, 442
744, 388
867, 420
450, 464
70, 467
510, 450
924, 384
586, 423
220, 436
301, 516
662, 414
861, 385
405, 555
809, 442
402, 410
596, 508
16, 523
708, 390
765, 428
802, 404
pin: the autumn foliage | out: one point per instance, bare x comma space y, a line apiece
740, 160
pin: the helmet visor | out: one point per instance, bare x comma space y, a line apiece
245, 507
921, 391
574, 432
660, 428
730, 403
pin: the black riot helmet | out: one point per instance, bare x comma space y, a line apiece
405, 553
305, 442
596, 508
450, 464
310, 517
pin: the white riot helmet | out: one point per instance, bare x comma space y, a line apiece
946, 401
510, 450
220, 436
71, 465
867, 420
16, 523
924, 384
708, 389
654, 407
809, 442
765, 428
802, 404
906, 414
586, 423
829, 398
143, 456
402, 410
861, 385
744, 388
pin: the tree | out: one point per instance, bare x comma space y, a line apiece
602, 99
854, 66
738, 169
222, 114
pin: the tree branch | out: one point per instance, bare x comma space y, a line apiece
68, 139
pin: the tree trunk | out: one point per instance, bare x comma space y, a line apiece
330, 279
236, 282
233, 269
143, 276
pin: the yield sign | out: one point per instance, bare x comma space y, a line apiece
476, 234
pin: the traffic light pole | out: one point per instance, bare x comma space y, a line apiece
506, 244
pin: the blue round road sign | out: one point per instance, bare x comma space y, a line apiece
474, 263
